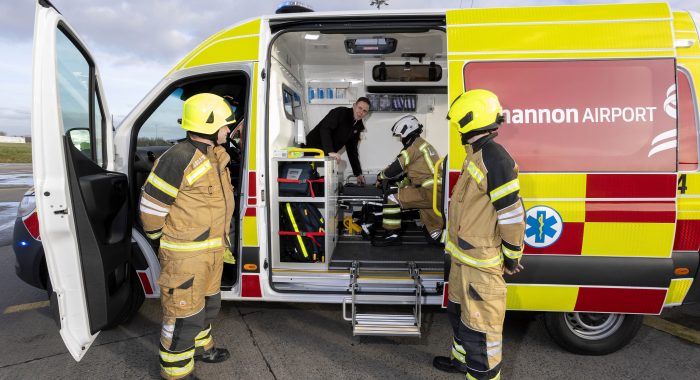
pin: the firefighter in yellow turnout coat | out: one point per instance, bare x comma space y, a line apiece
187, 202
485, 237
417, 162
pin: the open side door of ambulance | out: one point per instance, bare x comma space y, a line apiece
83, 208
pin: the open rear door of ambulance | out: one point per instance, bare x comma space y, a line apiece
84, 215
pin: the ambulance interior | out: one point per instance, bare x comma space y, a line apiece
312, 73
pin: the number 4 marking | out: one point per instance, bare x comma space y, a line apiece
682, 185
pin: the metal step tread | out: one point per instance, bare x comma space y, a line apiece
387, 330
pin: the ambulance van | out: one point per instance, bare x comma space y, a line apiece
601, 108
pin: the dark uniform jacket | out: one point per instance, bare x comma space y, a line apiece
187, 200
486, 217
338, 129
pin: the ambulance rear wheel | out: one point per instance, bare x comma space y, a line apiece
592, 333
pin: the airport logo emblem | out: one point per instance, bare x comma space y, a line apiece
544, 226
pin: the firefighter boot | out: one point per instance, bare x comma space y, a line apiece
214, 355
389, 238
443, 363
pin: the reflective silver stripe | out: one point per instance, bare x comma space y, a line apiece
457, 355
167, 331
510, 214
147, 203
510, 253
458, 346
492, 262
475, 172
492, 344
429, 182
161, 185
505, 189
494, 351
147, 210
195, 246
426, 155
198, 171
517, 219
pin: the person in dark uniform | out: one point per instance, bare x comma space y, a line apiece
341, 128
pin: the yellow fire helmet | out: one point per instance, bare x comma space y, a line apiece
205, 113
475, 111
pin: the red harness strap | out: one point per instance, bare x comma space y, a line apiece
309, 181
311, 235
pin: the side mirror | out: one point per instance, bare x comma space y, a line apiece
80, 138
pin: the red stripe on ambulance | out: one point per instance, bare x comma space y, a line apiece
569, 243
631, 212
687, 235
631, 186
622, 300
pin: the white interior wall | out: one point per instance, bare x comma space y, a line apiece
281, 129
378, 147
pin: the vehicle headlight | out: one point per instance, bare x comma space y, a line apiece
27, 205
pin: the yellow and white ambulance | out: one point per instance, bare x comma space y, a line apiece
601, 107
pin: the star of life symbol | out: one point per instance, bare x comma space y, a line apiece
544, 226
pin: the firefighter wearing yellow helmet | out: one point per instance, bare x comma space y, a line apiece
485, 233
187, 203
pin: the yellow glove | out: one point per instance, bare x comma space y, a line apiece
228, 257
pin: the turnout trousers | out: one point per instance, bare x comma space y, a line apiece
190, 297
476, 310
420, 198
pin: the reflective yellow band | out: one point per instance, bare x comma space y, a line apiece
194, 246
492, 262
475, 172
202, 342
406, 159
198, 171
505, 189
203, 333
458, 355
154, 235
391, 222
458, 347
510, 253
178, 371
296, 229
497, 377
392, 210
426, 155
176, 357
161, 185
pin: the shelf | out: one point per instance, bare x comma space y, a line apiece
345, 102
302, 199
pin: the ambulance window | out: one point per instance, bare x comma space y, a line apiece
687, 125
292, 103
81, 113
162, 127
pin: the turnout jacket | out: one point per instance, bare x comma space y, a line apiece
486, 217
417, 162
337, 130
187, 200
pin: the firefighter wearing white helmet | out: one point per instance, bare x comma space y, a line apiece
416, 164
187, 203
485, 233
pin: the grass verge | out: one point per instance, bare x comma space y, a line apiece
15, 153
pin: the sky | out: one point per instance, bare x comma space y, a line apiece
136, 42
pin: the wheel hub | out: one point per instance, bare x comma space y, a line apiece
593, 326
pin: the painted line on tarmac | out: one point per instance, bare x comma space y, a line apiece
680, 331
25, 307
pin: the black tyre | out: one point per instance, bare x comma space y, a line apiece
592, 333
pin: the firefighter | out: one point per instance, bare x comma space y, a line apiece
485, 233
416, 163
187, 203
